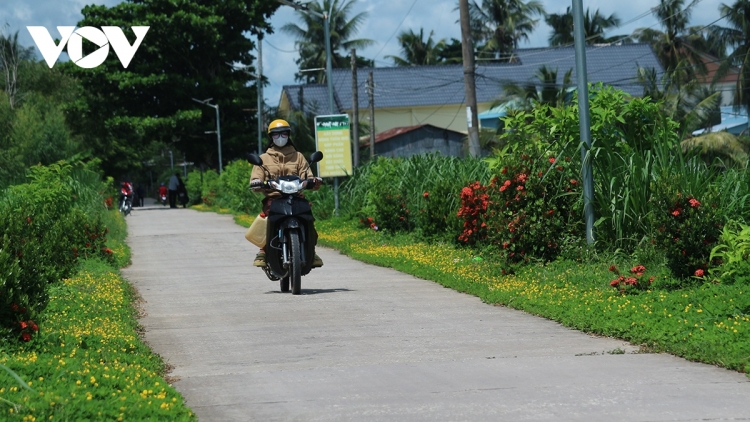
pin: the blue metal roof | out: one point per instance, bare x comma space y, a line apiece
733, 121
413, 86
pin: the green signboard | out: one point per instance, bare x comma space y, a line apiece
332, 138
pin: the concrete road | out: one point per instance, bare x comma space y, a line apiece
364, 343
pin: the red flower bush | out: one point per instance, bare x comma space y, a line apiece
473, 211
686, 229
528, 209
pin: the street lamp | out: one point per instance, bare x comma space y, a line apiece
218, 126
327, 32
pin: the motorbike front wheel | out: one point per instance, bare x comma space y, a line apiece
295, 272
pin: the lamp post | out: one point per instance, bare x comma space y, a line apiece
327, 33
218, 125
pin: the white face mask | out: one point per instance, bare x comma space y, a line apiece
281, 140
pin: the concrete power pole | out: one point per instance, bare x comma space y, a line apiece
371, 93
584, 120
259, 90
471, 93
355, 110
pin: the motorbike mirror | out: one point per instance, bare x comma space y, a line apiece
316, 156
255, 160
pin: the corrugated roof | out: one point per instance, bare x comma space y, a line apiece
392, 133
413, 86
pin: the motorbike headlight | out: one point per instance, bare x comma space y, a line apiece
289, 186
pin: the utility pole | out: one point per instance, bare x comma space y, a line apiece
259, 89
584, 119
467, 48
371, 94
355, 109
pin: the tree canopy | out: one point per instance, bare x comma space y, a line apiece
127, 115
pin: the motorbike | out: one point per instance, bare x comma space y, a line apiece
126, 200
290, 243
163, 199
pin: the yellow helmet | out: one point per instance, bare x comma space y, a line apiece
279, 125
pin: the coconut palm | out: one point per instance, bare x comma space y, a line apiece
594, 27
311, 37
416, 50
682, 98
672, 45
737, 35
499, 25
543, 90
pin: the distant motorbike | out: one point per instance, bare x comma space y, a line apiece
126, 198
163, 199
289, 247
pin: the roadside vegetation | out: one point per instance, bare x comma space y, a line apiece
70, 346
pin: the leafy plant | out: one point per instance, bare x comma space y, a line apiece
535, 204
733, 253
686, 228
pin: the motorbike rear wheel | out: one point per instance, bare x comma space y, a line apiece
295, 272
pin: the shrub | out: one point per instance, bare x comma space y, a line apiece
433, 216
234, 188
473, 212
535, 204
48, 224
686, 228
733, 255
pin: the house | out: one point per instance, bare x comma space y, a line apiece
417, 95
726, 84
419, 139
733, 121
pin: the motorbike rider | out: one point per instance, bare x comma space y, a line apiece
126, 191
163, 192
281, 159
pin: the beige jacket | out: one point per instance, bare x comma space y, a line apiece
284, 161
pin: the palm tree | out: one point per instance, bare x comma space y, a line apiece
499, 25
544, 90
594, 27
416, 50
737, 35
682, 98
311, 38
672, 44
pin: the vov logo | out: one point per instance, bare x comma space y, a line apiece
108, 35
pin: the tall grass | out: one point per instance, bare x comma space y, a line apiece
416, 175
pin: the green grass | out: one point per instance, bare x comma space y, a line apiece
88, 361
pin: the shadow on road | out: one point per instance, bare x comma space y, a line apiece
313, 291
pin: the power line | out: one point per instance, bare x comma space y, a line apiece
278, 49
396, 30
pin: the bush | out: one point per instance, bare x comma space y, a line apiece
535, 204
733, 255
686, 228
48, 224
428, 186
234, 188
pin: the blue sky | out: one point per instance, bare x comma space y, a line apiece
386, 19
